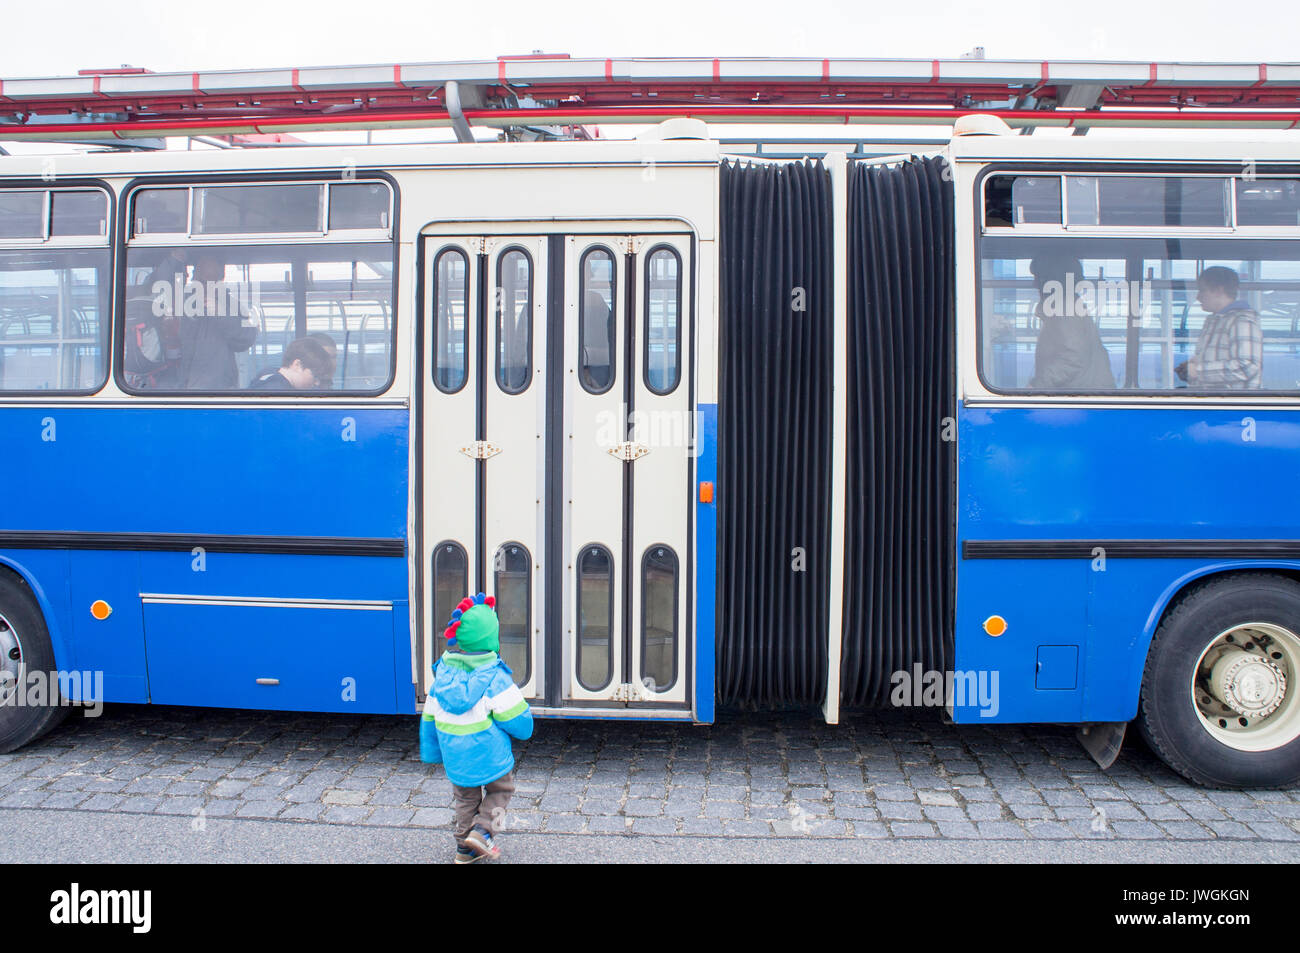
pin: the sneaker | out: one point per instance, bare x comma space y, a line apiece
466, 855
480, 839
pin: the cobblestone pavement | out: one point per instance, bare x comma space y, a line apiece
884, 775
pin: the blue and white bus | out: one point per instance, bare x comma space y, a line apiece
756, 434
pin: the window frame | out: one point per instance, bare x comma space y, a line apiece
577, 618
108, 332
498, 306
677, 324
677, 629
528, 604
1153, 168
433, 364
613, 316
441, 626
126, 240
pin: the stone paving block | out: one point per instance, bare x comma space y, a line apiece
139, 804
263, 809
647, 807
345, 814
912, 829
1144, 830
900, 811
1001, 830
654, 825
1273, 830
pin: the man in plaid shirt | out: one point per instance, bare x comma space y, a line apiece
1230, 350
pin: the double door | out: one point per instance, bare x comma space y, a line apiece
557, 451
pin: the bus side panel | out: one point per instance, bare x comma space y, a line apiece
334, 474
1096, 475
115, 645
1043, 603
247, 470
706, 561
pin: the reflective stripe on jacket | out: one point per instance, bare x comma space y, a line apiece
472, 711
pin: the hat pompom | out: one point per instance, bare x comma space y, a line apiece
491, 602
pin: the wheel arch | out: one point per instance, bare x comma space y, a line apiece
15, 570
1183, 586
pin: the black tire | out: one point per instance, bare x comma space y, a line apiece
1167, 716
20, 724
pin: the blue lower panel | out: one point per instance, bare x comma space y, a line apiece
1095, 474
324, 659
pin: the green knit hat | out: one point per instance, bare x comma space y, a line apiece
473, 626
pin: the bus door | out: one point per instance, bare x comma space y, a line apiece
483, 440
629, 432
586, 456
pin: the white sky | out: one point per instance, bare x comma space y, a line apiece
167, 35
231, 34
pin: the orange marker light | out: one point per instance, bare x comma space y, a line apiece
706, 492
100, 609
995, 625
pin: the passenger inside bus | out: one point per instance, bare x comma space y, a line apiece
303, 366
1069, 354
326, 382
1229, 351
221, 329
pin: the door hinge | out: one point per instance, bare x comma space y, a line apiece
629, 692
634, 244
480, 450
628, 451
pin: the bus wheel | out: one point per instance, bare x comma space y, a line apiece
24, 647
1221, 690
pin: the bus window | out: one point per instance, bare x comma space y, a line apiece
450, 583
512, 578
1266, 202
22, 214
161, 212
1149, 201
596, 321
245, 209
228, 312
359, 205
514, 320
1011, 200
595, 645
1203, 315
659, 618
663, 329
78, 214
450, 317
53, 318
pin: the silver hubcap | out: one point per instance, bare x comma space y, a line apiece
11, 659
1243, 687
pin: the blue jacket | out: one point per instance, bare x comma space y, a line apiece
472, 711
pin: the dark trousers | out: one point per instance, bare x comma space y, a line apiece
485, 806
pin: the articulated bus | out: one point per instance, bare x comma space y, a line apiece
1008, 429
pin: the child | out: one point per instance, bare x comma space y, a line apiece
472, 709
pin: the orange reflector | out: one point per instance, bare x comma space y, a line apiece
706, 492
100, 609
995, 625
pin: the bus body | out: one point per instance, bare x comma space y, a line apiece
771, 434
